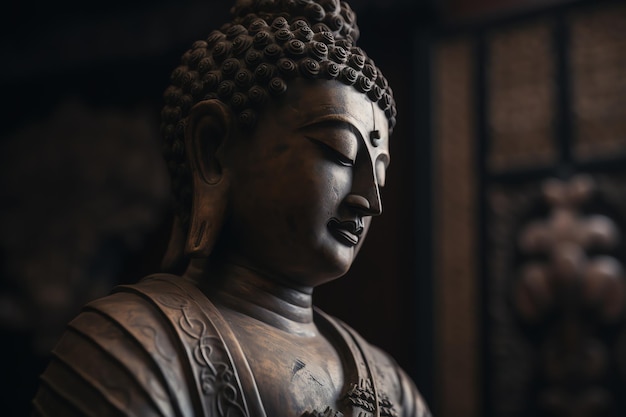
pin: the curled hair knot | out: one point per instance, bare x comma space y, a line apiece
345, 43
226, 89
331, 6
393, 111
171, 114
299, 24
348, 75
199, 45
212, 79
238, 101
205, 64
338, 54
295, 47
197, 90
336, 23
221, 51
318, 50
347, 11
375, 93
330, 69
381, 81
321, 28
272, 51
326, 38
264, 72
244, 79
363, 84
356, 61
188, 78
253, 58
385, 102
257, 25
280, 23
230, 67
358, 51
305, 34
277, 86
172, 95
186, 102
262, 39
287, 67
241, 44
309, 68
315, 12
177, 75
284, 35
214, 37
370, 72
258, 96
234, 31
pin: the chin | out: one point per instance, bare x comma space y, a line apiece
324, 267
337, 263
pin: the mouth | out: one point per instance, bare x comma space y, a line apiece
346, 232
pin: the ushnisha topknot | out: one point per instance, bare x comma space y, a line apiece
252, 59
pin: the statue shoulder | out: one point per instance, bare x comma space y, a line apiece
146, 349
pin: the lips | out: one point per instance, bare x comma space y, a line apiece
346, 232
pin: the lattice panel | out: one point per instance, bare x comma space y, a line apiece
521, 98
598, 68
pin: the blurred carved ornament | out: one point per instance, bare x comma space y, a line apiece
570, 294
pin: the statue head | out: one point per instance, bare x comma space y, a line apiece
276, 135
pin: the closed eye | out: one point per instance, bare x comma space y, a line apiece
332, 153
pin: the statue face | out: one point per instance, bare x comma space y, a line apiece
306, 183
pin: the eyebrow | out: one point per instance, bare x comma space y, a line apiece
332, 120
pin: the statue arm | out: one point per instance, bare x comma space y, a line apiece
99, 368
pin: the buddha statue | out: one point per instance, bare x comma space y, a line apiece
277, 139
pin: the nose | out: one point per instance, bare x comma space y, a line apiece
365, 194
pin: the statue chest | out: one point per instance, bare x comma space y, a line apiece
294, 375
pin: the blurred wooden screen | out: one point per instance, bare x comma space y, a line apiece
530, 214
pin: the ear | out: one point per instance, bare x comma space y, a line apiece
207, 128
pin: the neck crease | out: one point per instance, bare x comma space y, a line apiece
257, 295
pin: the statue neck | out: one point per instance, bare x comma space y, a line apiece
253, 294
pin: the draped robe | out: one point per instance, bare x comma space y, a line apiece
162, 348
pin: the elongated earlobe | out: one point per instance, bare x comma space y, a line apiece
174, 254
207, 215
207, 128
